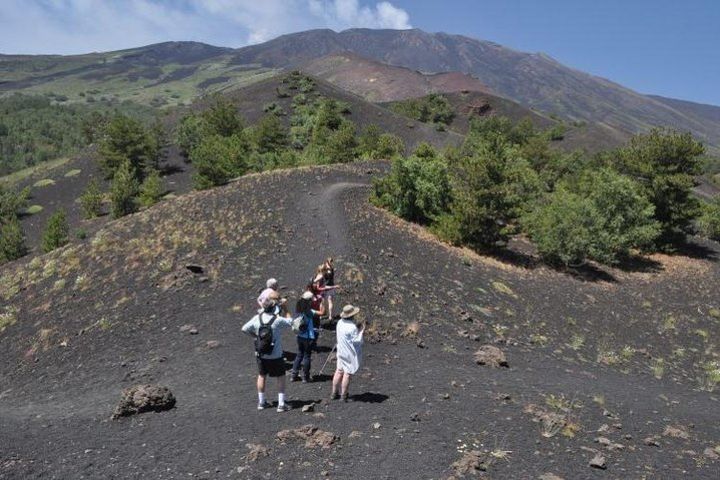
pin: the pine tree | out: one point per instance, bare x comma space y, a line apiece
123, 191
91, 200
56, 231
151, 189
12, 241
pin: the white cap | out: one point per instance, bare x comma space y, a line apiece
271, 283
307, 295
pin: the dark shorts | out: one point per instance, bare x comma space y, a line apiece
275, 367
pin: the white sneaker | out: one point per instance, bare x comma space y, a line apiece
263, 406
283, 408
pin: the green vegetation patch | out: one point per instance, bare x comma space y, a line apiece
73, 173
33, 209
45, 182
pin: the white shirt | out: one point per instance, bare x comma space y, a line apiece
349, 346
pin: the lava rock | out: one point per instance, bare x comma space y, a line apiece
491, 356
144, 398
598, 461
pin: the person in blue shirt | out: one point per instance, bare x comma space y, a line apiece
306, 325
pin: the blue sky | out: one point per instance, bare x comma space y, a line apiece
663, 47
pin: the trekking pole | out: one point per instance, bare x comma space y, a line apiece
328, 359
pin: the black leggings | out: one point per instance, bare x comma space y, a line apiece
305, 346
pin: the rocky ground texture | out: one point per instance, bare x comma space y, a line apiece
475, 367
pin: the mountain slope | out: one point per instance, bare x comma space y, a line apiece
534, 80
168, 73
380, 82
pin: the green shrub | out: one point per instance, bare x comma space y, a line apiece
709, 221
56, 232
91, 200
601, 216
433, 108
12, 240
223, 118
189, 133
270, 135
416, 189
151, 189
123, 191
128, 139
218, 159
491, 189
665, 163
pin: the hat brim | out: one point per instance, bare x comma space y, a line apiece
351, 313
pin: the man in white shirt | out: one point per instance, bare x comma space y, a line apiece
271, 363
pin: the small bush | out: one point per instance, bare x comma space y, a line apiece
218, 159
91, 200
123, 191
56, 232
709, 221
151, 190
12, 240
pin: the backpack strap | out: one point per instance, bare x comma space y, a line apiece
269, 324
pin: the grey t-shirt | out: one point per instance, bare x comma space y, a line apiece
278, 325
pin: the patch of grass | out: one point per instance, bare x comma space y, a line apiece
502, 288
59, 284
73, 173
8, 318
539, 339
670, 323
21, 175
658, 367
704, 334
710, 376
576, 341
45, 182
33, 209
627, 353
714, 313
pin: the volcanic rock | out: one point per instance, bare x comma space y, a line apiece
144, 398
491, 356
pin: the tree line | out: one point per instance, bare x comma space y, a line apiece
506, 180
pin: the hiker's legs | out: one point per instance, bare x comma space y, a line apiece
337, 380
298, 358
307, 352
329, 306
281, 390
345, 384
261, 383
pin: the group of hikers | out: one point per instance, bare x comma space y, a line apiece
314, 304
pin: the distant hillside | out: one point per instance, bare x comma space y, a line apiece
168, 73
252, 100
535, 80
380, 82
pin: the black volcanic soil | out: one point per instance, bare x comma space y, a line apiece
104, 314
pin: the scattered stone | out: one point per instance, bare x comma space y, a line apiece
313, 436
256, 451
652, 441
598, 461
470, 463
376, 426
187, 328
308, 408
491, 356
355, 434
710, 453
549, 476
144, 398
676, 431
603, 441
415, 417
212, 344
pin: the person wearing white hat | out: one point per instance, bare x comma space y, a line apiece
270, 286
304, 324
349, 351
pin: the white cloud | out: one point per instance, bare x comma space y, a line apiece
78, 26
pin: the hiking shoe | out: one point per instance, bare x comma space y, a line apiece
334, 396
306, 380
345, 398
283, 408
263, 406
294, 378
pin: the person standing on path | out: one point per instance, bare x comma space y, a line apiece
271, 286
349, 351
266, 327
307, 335
330, 287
